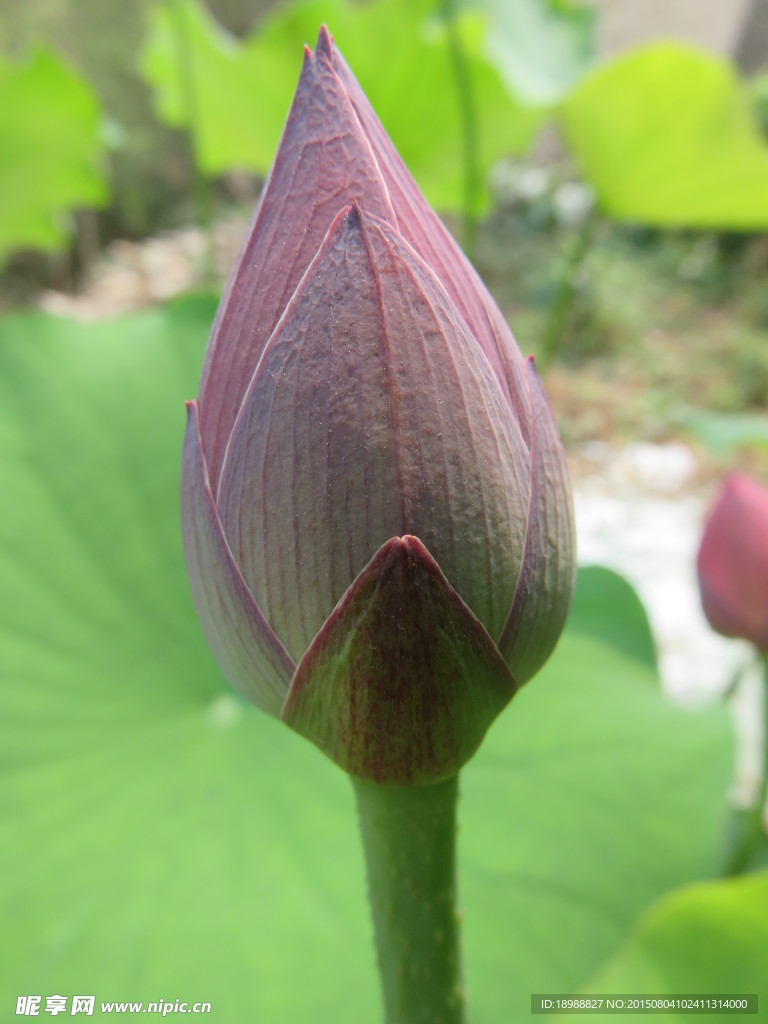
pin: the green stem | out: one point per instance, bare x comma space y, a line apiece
203, 197
468, 113
572, 259
750, 824
762, 798
409, 839
739, 672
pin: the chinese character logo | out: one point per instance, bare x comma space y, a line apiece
29, 1006
83, 1004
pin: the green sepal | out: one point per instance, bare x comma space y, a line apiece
402, 682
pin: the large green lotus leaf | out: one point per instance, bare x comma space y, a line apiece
238, 93
607, 607
724, 434
233, 96
151, 846
161, 840
540, 47
50, 148
667, 135
570, 824
708, 939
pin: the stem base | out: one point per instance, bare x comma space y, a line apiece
409, 839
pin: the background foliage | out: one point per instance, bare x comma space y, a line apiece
206, 848
700, 161
50, 157
241, 90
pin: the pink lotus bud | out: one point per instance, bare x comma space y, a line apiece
733, 562
375, 504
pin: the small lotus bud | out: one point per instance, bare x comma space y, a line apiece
375, 503
733, 562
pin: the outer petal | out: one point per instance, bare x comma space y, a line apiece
323, 163
733, 562
420, 225
247, 651
545, 585
402, 682
372, 414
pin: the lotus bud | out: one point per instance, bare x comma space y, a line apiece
732, 562
375, 504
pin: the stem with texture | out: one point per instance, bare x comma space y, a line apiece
575, 252
469, 132
203, 197
409, 839
750, 824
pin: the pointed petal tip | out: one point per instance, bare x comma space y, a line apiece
354, 214
356, 219
402, 681
406, 549
324, 45
413, 546
192, 428
349, 218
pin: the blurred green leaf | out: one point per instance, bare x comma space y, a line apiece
233, 96
158, 839
746, 840
570, 821
667, 136
706, 939
723, 434
50, 150
606, 606
239, 93
758, 91
540, 47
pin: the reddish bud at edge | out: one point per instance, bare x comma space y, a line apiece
733, 562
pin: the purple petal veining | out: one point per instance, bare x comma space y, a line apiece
376, 510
